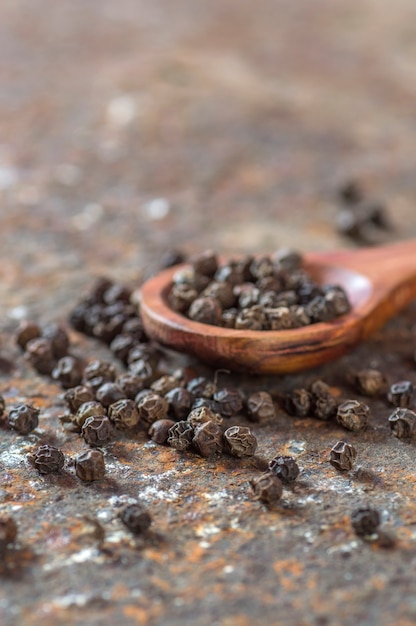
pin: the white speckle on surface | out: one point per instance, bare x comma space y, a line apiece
207, 531
89, 216
8, 177
296, 447
217, 496
18, 312
228, 569
121, 110
204, 545
157, 209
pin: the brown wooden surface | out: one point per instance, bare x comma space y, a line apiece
129, 127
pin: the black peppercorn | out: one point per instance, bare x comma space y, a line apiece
198, 403
23, 418
180, 402
2, 406
401, 394
336, 300
285, 468
68, 372
117, 293
299, 403
8, 532
48, 459
287, 259
342, 456
27, 330
253, 318
240, 441
152, 407
108, 393
365, 521
121, 345
78, 395
248, 295
207, 438
144, 352
172, 257
97, 431
164, 384
181, 297
202, 414
88, 409
267, 487
40, 355
90, 465
281, 318
221, 291
206, 310
58, 337
369, 382
205, 263
180, 435
124, 414
130, 384
136, 518
353, 415
229, 401
100, 369
142, 369
260, 406
201, 387
403, 423
325, 407
159, 430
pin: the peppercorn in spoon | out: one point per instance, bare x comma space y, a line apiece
379, 282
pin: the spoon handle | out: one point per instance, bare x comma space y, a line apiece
391, 270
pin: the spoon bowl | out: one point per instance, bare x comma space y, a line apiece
379, 283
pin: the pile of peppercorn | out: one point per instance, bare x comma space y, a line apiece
258, 293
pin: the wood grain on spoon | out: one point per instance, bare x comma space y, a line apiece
379, 282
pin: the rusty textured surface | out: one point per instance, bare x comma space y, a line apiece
129, 127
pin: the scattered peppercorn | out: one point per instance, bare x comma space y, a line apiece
342, 456
401, 394
68, 372
88, 409
23, 418
267, 487
229, 401
180, 435
124, 414
285, 468
365, 521
97, 368
240, 441
353, 415
369, 382
78, 395
152, 407
260, 406
58, 337
27, 330
97, 431
40, 355
299, 403
207, 438
159, 430
180, 402
48, 459
403, 423
90, 465
201, 414
136, 518
164, 384
108, 393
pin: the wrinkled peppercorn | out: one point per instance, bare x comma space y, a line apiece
136, 518
180, 435
229, 401
88, 409
251, 319
202, 414
143, 370
240, 441
8, 532
299, 403
181, 297
124, 414
121, 346
180, 402
325, 407
342, 456
23, 418
403, 423
353, 415
206, 310
267, 487
201, 387
285, 468
129, 384
205, 263
100, 369
108, 393
97, 430
159, 430
152, 407
401, 394
369, 382
76, 396
222, 292
90, 465
260, 406
48, 459
365, 521
68, 372
207, 438
164, 384
198, 403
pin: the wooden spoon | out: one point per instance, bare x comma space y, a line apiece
379, 281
